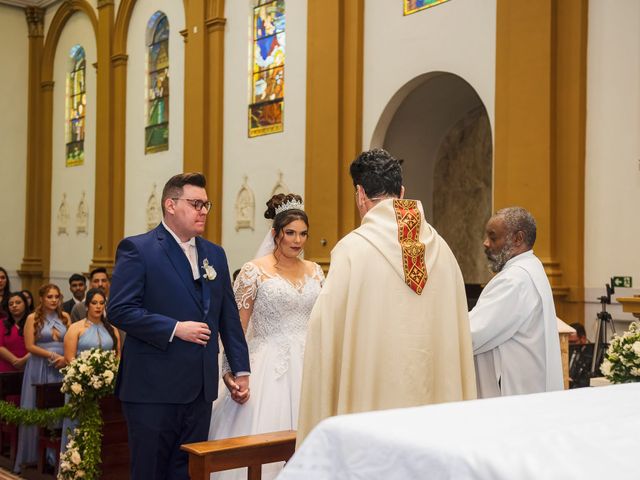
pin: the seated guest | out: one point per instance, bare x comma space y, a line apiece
513, 325
29, 296
98, 278
77, 285
13, 354
44, 333
5, 290
580, 336
580, 357
92, 332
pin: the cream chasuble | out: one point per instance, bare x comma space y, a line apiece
390, 328
515, 336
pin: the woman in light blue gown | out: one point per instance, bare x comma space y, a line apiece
44, 333
91, 332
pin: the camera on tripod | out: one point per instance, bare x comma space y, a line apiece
601, 342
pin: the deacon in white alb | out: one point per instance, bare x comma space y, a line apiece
513, 325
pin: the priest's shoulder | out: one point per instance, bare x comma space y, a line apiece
348, 242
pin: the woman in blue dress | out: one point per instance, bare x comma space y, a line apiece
91, 332
44, 333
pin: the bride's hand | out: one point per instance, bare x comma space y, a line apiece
238, 387
228, 381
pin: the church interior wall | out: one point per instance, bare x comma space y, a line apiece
456, 37
262, 158
14, 54
612, 170
71, 249
144, 171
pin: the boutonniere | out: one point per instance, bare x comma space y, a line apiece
209, 272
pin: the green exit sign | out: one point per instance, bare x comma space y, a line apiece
622, 282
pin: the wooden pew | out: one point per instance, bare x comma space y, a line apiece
48, 395
10, 388
115, 447
251, 451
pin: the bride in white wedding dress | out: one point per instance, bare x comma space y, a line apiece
275, 294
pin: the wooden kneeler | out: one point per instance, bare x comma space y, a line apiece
251, 451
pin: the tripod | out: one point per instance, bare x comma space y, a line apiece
602, 340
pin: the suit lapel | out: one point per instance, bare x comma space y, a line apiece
179, 261
206, 292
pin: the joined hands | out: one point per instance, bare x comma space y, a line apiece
238, 387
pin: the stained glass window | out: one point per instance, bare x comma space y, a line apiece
266, 110
157, 91
413, 6
76, 106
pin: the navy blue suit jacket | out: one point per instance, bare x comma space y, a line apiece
151, 289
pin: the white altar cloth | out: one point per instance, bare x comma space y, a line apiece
588, 433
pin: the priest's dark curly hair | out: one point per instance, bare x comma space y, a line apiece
378, 173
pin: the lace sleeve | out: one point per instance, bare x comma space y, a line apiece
245, 287
319, 274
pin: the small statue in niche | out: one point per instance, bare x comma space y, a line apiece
153, 210
63, 216
82, 216
280, 186
245, 207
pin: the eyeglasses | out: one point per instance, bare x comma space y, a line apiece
197, 204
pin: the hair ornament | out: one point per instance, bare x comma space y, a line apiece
290, 205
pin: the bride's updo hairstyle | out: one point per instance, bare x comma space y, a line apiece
284, 217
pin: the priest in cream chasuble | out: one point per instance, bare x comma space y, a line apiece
390, 328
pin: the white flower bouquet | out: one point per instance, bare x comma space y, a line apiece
622, 360
88, 378
92, 374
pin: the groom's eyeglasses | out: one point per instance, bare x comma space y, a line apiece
197, 204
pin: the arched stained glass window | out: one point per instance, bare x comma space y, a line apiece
413, 6
157, 91
76, 106
266, 111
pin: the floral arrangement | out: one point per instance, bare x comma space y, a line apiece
622, 360
86, 379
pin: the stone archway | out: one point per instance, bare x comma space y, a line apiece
439, 126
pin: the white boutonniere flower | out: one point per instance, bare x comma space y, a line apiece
209, 272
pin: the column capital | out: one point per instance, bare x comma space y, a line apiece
119, 59
35, 21
47, 85
216, 23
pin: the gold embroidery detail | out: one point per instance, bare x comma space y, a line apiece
408, 218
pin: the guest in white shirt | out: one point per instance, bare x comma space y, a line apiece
513, 325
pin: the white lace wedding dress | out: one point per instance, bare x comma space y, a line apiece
275, 335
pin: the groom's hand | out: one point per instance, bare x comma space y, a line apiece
238, 387
196, 332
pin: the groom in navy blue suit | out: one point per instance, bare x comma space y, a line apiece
171, 293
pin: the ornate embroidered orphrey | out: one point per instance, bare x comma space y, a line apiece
408, 218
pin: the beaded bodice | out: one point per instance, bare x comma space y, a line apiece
280, 308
